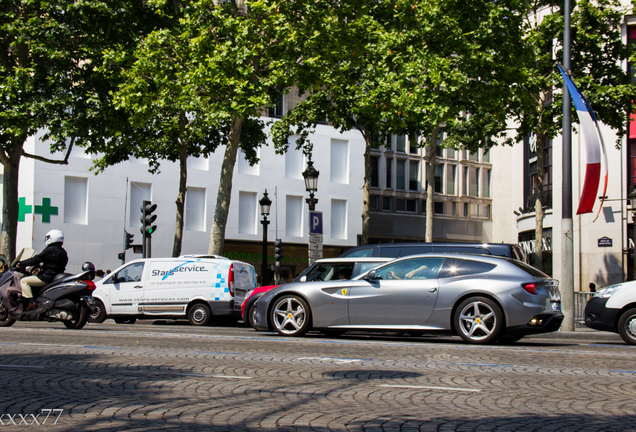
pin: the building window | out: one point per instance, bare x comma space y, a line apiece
244, 166
474, 182
375, 174
485, 183
247, 216
474, 156
139, 192
294, 162
439, 173
195, 209
338, 219
414, 171
386, 203
339, 170
438, 207
76, 200
451, 176
199, 163
406, 205
486, 156
400, 143
276, 111
411, 205
450, 153
465, 205
400, 174
389, 173
465, 181
293, 216
374, 202
413, 147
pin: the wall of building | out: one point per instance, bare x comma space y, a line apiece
93, 210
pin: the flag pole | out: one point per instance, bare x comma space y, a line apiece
567, 238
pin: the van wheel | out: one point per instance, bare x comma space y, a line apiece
100, 315
80, 321
200, 314
627, 326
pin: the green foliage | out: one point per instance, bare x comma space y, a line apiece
50, 56
598, 54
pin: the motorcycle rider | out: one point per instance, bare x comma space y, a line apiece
53, 259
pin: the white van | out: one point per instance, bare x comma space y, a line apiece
195, 287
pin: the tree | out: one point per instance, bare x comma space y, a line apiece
243, 52
50, 54
598, 52
415, 68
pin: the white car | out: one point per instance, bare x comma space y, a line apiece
613, 309
197, 288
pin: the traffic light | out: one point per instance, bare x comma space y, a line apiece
147, 218
128, 239
278, 250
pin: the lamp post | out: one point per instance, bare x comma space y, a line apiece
311, 184
315, 241
266, 204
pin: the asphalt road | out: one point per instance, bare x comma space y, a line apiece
170, 376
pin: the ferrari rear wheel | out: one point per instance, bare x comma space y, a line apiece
479, 320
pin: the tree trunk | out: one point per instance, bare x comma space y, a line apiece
538, 206
430, 186
366, 188
10, 206
217, 235
180, 202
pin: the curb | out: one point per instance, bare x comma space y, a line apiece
583, 334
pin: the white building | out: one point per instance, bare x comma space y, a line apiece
93, 210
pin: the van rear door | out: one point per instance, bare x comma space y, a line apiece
244, 282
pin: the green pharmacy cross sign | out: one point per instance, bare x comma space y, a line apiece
46, 210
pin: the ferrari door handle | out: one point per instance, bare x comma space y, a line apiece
432, 290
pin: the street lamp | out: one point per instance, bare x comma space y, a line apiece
311, 184
266, 204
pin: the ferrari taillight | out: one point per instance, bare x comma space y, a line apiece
530, 287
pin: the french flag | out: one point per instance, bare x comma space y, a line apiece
594, 148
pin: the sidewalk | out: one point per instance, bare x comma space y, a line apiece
582, 333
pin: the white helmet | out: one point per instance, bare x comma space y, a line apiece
54, 236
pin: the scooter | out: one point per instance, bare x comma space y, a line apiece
67, 298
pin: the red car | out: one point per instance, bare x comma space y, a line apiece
321, 270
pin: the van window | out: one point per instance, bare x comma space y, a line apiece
130, 273
388, 251
367, 252
415, 250
462, 249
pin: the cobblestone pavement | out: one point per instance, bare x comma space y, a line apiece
145, 377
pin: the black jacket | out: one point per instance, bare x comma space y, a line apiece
53, 259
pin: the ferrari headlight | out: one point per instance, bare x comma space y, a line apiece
607, 291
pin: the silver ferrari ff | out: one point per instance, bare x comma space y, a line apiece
483, 299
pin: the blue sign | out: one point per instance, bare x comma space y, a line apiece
315, 222
604, 242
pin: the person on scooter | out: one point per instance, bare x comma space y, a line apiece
53, 259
